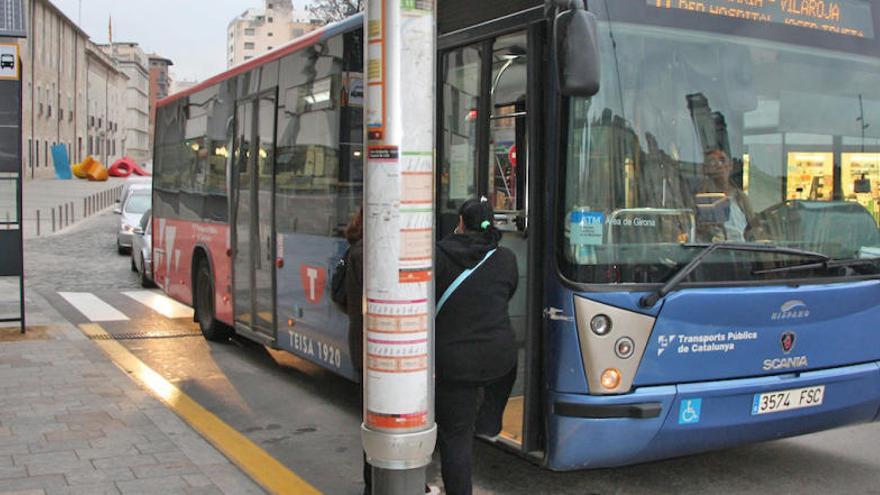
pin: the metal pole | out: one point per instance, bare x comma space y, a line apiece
72, 212
53, 219
398, 432
38, 223
21, 242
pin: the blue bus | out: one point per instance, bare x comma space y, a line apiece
698, 242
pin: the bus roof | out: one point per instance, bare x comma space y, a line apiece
306, 40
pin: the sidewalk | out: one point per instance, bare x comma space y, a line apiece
59, 204
71, 422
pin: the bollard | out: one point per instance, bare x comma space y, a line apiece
66, 215
38, 223
72, 212
85, 207
53, 219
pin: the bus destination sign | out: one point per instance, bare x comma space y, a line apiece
844, 17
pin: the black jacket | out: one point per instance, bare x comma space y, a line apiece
474, 339
354, 289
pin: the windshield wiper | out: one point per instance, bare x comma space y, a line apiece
825, 265
681, 275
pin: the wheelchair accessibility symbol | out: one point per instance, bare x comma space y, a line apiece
690, 412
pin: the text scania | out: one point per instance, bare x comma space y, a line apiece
785, 363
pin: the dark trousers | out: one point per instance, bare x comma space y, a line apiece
463, 409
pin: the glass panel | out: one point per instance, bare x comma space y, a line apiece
308, 168
8, 200
507, 125
242, 215
506, 175
461, 102
699, 136
264, 252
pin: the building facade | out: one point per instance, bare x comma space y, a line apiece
106, 88
54, 97
132, 61
93, 100
160, 86
259, 30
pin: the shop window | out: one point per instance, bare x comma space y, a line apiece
810, 176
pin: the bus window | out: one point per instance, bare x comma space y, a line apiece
461, 89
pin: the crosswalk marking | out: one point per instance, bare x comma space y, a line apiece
93, 307
161, 304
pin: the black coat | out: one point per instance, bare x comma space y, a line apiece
474, 338
354, 294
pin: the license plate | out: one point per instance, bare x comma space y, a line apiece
787, 400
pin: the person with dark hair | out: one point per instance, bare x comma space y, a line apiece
476, 349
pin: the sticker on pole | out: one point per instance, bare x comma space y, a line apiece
9, 62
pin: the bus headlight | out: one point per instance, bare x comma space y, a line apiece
612, 342
611, 378
600, 325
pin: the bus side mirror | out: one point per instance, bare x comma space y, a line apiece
576, 39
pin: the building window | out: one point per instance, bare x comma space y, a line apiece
270, 19
79, 149
271, 34
60, 114
269, 48
250, 32
249, 46
31, 153
46, 152
91, 147
248, 57
36, 153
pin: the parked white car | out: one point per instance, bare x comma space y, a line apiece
131, 183
137, 202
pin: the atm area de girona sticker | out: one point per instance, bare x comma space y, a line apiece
9, 61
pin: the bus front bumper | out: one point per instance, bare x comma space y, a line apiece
669, 421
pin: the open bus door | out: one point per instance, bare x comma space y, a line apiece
489, 143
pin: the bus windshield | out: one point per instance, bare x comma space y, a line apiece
698, 137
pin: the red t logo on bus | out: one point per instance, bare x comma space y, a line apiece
314, 279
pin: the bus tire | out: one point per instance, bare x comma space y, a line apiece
203, 300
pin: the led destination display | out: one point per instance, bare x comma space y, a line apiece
844, 17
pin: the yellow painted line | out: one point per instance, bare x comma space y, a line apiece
256, 462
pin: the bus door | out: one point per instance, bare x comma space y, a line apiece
252, 237
486, 147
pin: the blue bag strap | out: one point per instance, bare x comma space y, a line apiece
458, 281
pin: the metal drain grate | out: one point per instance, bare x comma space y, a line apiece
147, 335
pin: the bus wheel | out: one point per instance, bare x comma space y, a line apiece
211, 327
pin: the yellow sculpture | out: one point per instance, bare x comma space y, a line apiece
90, 169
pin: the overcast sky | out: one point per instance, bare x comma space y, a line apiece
192, 33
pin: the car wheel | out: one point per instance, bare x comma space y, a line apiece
120, 249
211, 327
145, 281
